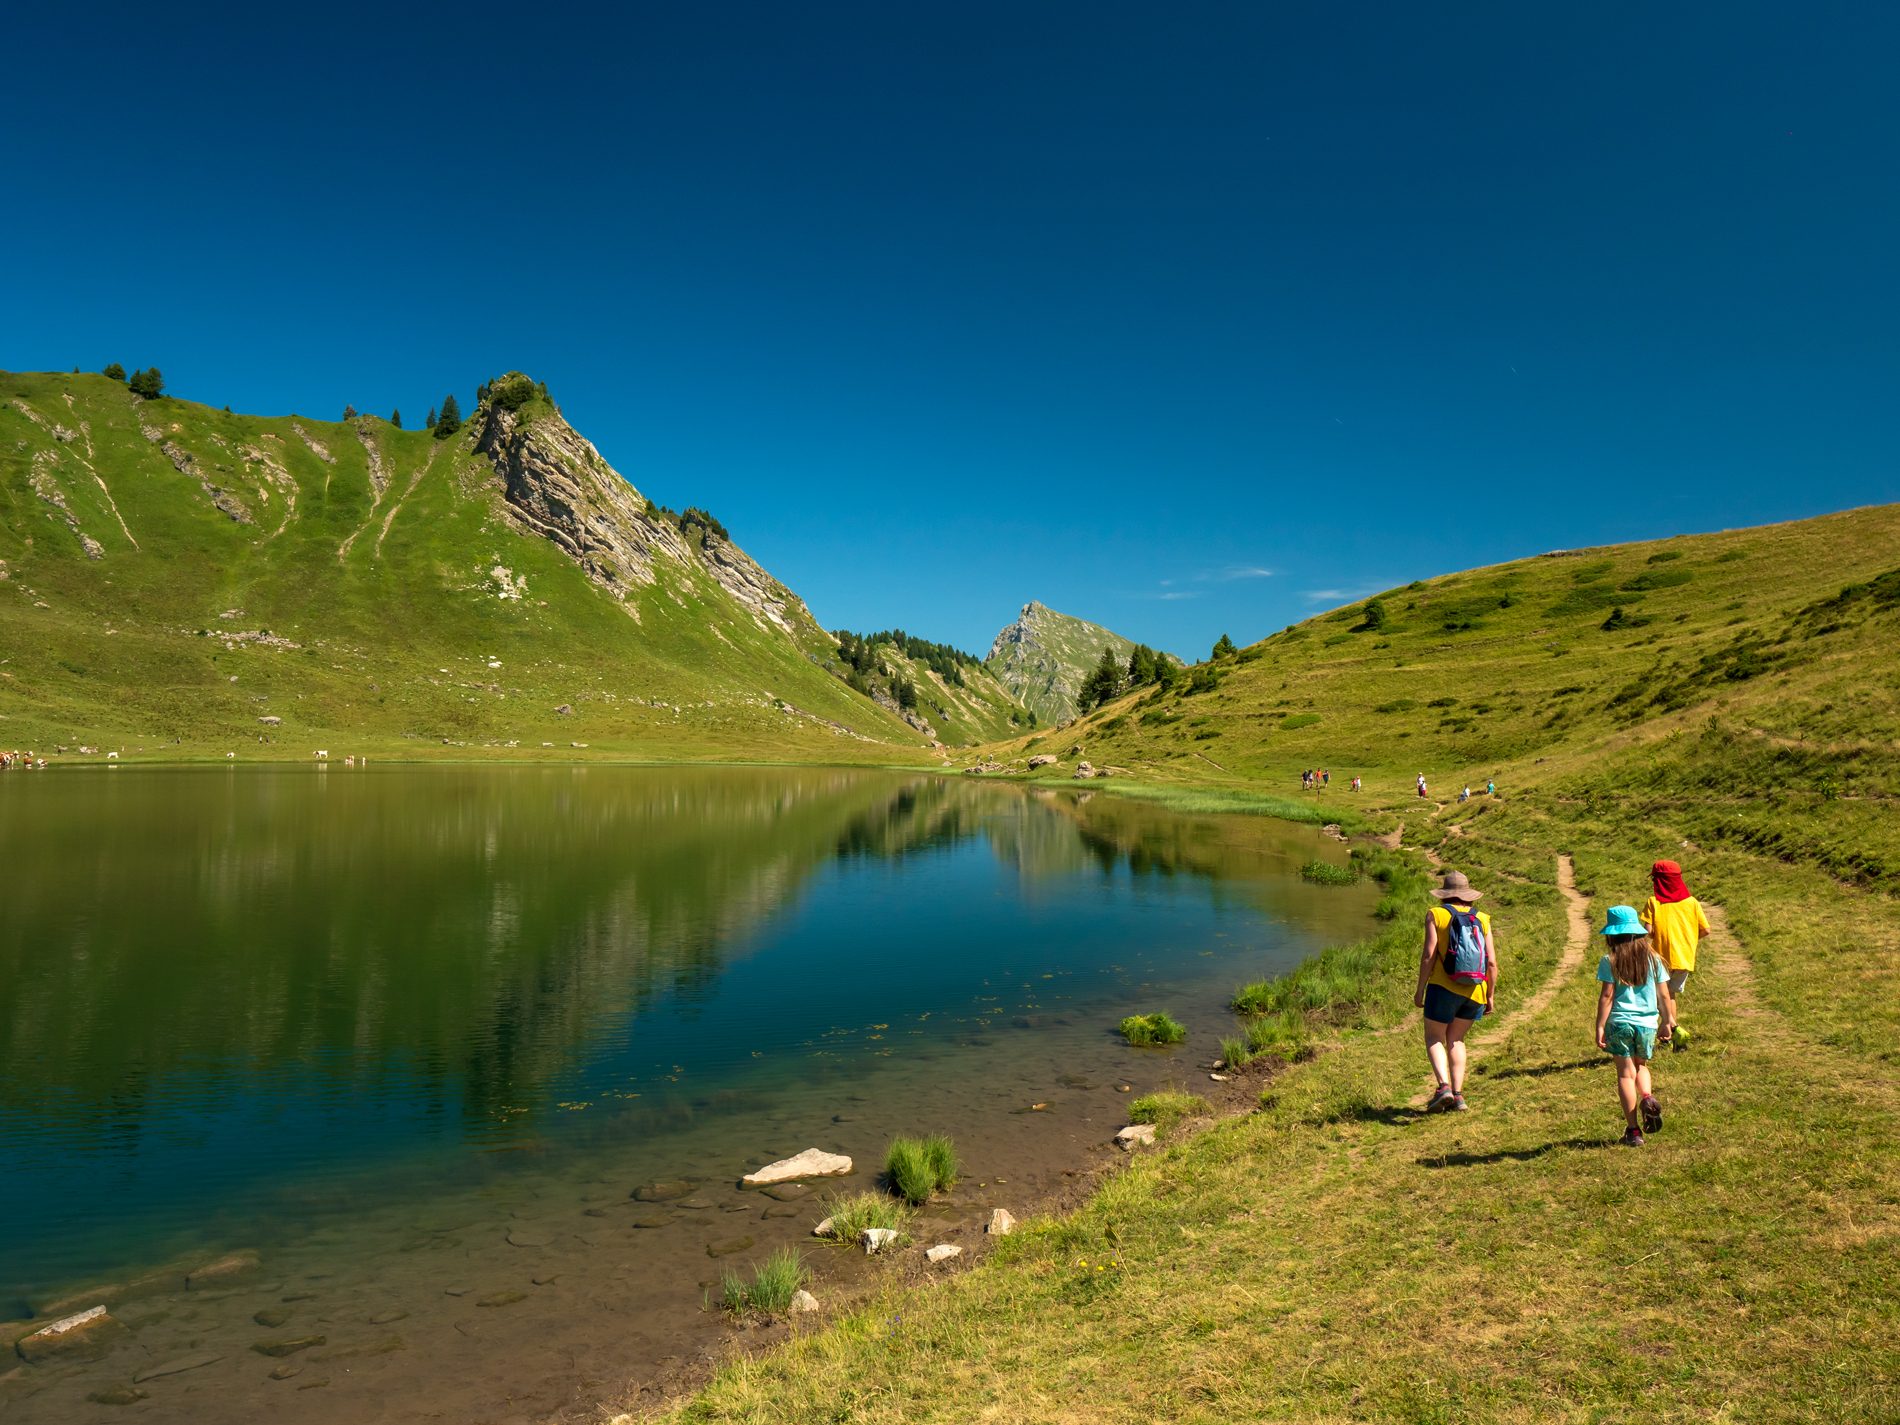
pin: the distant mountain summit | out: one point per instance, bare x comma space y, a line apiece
1044, 657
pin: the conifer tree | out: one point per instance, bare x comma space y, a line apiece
1225, 647
349, 412
113, 371
1105, 683
450, 421
428, 421
395, 418
148, 383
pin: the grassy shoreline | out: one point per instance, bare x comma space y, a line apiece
1279, 1265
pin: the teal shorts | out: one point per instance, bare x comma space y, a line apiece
1629, 1041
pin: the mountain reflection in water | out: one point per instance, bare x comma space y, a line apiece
221, 984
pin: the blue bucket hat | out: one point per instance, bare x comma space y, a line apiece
1623, 921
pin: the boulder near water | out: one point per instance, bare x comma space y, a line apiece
876, 1239
82, 1333
1133, 1134
812, 1163
942, 1252
1001, 1223
803, 1301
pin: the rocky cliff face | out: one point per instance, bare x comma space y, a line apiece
554, 483
1044, 657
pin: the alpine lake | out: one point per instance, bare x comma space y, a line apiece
336, 1086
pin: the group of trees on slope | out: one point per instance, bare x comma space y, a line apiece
147, 383
1147, 668
859, 651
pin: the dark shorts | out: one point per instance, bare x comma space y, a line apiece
1442, 1006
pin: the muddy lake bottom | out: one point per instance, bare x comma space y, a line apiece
414, 1039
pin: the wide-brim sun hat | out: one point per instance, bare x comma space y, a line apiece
1623, 921
1455, 887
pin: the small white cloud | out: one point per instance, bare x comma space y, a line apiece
1172, 594
1322, 596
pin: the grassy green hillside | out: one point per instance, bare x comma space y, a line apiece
171, 574
1044, 657
1339, 1255
943, 692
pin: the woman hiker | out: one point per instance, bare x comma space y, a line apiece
1676, 923
1457, 983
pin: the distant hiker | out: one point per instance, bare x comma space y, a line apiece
1355, 784
1491, 788
1465, 795
1635, 997
1457, 983
1676, 921
1421, 784
1325, 777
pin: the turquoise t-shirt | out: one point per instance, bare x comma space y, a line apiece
1634, 1004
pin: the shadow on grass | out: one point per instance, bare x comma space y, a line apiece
1510, 1155
1537, 1071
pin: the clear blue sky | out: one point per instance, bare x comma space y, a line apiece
946, 307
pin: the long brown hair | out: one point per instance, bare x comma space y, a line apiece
1630, 957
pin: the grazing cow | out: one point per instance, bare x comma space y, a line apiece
112, 757
323, 754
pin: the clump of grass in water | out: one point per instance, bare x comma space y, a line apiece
1165, 1108
1325, 873
918, 1167
1147, 1030
774, 1283
941, 1154
851, 1215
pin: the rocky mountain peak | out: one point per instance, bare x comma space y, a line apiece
554, 483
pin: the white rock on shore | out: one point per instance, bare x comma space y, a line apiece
942, 1252
1001, 1223
1142, 1133
823, 1229
876, 1239
812, 1163
803, 1301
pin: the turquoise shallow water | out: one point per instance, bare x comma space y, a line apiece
299, 1011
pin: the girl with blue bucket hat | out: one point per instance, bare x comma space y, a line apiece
1635, 997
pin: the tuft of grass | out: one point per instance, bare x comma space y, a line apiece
1325, 873
851, 1215
1148, 1030
941, 1154
771, 1287
1165, 1108
917, 1167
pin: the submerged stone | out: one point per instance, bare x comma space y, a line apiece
727, 1246
118, 1395
82, 1334
288, 1346
177, 1366
271, 1317
668, 1191
225, 1269
812, 1163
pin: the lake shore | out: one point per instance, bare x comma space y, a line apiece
1194, 1279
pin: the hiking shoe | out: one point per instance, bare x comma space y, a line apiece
1440, 1100
1652, 1113
1632, 1139
1458, 1103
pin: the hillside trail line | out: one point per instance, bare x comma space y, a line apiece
1576, 941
